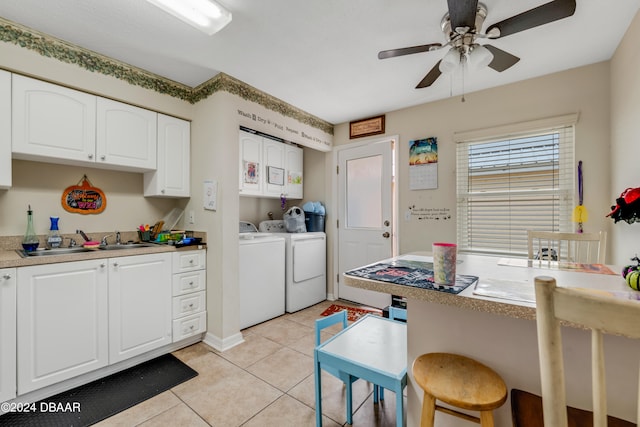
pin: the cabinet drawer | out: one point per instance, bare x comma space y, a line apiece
184, 283
189, 326
189, 261
188, 304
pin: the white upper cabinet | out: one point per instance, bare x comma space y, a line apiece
269, 168
52, 122
5, 129
172, 176
56, 124
251, 167
294, 161
126, 136
273, 155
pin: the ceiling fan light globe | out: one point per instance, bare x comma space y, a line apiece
451, 61
480, 57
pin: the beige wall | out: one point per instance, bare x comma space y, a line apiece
583, 90
214, 155
625, 138
42, 184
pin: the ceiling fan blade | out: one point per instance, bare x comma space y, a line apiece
462, 13
430, 77
408, 50
501, 59
549, 12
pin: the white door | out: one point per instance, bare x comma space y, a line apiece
139, 304
126, 135
365, 207
62, 322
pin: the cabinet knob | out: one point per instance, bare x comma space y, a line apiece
190, 261
6, 276
162, 191
191, 284
103, 157
90, 156
115, 264
102, 265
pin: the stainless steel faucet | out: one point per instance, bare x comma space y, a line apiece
118, 238
84, 236
104, 242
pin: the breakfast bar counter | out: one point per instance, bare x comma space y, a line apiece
501, 331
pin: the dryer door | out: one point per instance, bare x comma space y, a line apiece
309, 257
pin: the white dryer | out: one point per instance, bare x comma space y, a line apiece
306, 266
261, 275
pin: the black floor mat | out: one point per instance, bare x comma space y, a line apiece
100, 399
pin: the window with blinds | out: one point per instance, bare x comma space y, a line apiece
514, 183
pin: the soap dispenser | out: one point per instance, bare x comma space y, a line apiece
54, 240
30, 241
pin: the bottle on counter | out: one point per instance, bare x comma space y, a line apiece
54, 239
30, 241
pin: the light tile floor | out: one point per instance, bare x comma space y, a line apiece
267, 381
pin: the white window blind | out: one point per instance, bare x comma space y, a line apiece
509, 184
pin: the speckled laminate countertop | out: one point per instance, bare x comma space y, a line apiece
487, 268
9, 257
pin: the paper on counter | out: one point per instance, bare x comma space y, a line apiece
506, 289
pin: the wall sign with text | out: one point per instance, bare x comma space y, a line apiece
84, 198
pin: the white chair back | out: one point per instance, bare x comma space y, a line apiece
602, 315
587, 248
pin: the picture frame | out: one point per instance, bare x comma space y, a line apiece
275, 175
366, 127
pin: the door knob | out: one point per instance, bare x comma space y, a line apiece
386, 234
387, 223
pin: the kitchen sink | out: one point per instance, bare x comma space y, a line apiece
53, 251
129, 245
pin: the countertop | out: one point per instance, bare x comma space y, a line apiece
487, 268
10, 258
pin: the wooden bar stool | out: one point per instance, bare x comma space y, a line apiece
460, 382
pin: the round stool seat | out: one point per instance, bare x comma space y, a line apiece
460, 382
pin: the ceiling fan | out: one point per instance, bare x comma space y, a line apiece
462, 27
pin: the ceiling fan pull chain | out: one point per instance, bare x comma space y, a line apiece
464, 66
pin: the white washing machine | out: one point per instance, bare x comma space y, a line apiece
306, 266
261, 275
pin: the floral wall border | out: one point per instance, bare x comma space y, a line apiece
52, 47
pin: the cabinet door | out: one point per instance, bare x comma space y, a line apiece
62, 322
139, 304
274, 179
5, 129
171, 178
294, 162
126, 136
7, 334
251, 167
52, 122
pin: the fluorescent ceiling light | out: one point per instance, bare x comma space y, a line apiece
205, 15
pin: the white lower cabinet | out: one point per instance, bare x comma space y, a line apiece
58, 321
62, 322
189, 294
7, 334
139, 304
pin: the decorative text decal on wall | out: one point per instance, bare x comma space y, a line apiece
303, 137
431, 214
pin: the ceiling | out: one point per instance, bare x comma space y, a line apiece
321, 56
